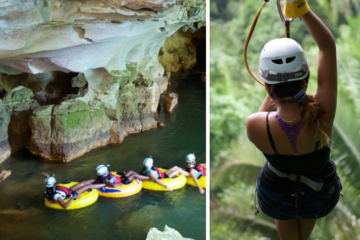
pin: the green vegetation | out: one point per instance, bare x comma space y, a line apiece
235, 162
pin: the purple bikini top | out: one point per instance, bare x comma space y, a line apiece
291, 131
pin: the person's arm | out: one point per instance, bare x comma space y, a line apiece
254, 124
266, 104
109, 184
155, 179
67, 204
45, 174
193, 175
327, 72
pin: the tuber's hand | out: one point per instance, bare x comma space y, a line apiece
76, 197
45, 174
169, 189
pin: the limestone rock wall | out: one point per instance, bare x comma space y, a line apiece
74, 36
5, 148
76, 75
113, 108
15, 108
68, 130
178, 52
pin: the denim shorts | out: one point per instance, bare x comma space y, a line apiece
311, 208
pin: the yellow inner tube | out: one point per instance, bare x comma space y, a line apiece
173, 183
87, 198
201, 181
124, 190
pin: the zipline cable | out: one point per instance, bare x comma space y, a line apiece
248, 39
287, 34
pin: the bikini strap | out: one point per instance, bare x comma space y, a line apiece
269, 133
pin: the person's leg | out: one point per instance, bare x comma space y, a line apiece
306, 226
87, 187
129, 173
91, 183
136, 175
288, 230
173, 168
82, 184
174, 171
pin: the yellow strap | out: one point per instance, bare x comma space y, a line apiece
248, 39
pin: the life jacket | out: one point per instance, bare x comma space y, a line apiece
153, 168
201, 169
161, 174
198, 168
111, 177
63, 191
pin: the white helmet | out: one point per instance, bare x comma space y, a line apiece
102, 169
283, 60
148, 162
190, 158
50, 181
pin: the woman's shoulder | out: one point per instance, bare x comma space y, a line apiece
256, 124
256, 119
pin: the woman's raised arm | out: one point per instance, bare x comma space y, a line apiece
327, 72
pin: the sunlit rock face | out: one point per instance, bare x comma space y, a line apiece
167, 234
110, 52
5, 149
171, 101
75, 36
178, 53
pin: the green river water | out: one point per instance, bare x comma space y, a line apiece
24, 216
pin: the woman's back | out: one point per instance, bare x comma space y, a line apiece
305, 140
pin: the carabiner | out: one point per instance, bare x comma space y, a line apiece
281, 13
285, 21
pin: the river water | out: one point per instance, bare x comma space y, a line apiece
24, 216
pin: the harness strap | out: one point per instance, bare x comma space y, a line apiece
283, 77
256, 207
287, 28
297, 192
286, 196
321, 199
313, 182
317, 145
248, 40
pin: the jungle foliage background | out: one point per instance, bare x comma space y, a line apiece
235, 162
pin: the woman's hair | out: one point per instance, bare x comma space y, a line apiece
312, 113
